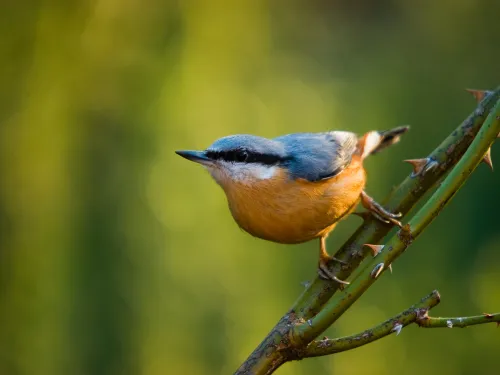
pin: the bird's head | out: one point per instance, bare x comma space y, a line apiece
240, 158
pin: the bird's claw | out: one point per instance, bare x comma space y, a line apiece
325, 273
380, 212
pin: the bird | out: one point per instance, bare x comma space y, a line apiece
296, 187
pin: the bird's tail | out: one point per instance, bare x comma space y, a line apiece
375, 141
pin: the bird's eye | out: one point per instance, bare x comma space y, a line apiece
241, 156
230, 156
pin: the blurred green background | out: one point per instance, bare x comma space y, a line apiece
119, 257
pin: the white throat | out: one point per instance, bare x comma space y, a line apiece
225, 172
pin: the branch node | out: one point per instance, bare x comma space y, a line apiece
405, 235
449, 323
422, 314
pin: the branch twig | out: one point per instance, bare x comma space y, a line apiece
418, 314
462, 322
394, 324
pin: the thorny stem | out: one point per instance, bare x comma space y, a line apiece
397, 244
418, 314
461, 322
402, 199
269, 354
392, 325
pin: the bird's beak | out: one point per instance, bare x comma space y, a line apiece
196, 156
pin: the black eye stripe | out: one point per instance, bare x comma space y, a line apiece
244, 156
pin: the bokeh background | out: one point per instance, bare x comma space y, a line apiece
119, 257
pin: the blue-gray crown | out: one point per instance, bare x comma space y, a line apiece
247, 148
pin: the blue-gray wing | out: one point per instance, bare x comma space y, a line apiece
318, 156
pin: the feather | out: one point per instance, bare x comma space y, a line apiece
318, 156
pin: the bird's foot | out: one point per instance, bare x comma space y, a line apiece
380, 212
324, 270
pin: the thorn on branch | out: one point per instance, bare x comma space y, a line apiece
377, 270
421, 166
478, 94
397, 328
487, 159
376, 249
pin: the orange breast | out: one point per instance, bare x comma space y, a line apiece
293, 211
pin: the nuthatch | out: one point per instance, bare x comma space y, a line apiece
296, 187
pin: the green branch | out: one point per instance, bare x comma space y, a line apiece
392, 325
461, 322
418, 314
278, 345
398, 243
